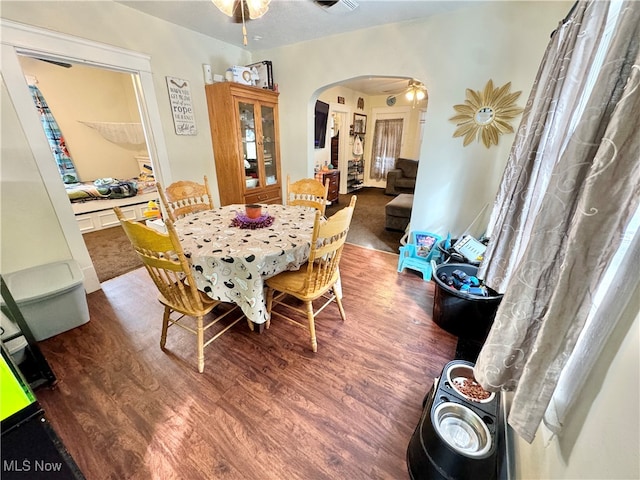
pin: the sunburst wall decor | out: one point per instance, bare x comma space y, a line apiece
487, 114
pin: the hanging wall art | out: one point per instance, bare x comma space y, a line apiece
486, 114
181, 106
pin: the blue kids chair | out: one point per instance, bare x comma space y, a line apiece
418, 253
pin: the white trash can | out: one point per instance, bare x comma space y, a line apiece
51, 297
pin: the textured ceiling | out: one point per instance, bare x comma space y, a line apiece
290, 21
293, 21
377, 85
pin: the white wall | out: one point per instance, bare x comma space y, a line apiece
174, 51
451, 52
90, 94
445, 52
29, 231
601, 437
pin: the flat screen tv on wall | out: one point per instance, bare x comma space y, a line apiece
321, 116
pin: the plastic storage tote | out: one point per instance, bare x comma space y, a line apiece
51, 297
12, 338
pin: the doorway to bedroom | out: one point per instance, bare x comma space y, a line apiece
101, 131
18, 40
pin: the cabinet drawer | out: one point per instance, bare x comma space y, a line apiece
333, 178
266, 196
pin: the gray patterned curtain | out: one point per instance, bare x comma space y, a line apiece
567, 195
387, 141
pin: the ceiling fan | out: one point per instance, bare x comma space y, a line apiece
54, 62
242, 11
42, 58
415, 93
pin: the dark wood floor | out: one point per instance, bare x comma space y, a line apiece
265, 407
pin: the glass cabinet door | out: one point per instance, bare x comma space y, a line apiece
269, 144
248, 135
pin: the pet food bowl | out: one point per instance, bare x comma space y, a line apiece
461, 379
462, 429
456, 438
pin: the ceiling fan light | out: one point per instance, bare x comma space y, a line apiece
409, 94
420, 94
225, 6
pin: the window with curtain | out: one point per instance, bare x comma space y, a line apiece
567, 197
387, 141
610, 300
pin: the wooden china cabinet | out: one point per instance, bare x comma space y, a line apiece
246, 142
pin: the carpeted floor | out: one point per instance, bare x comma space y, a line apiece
113, 255
367, 226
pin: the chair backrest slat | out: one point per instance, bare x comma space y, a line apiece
308, 192
185, 198
164, 260
327, 243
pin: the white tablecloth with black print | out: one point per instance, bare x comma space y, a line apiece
230, 263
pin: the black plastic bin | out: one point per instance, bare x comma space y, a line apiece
459, 313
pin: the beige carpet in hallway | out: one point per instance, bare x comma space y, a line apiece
367, 226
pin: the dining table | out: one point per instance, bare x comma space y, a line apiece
231, 255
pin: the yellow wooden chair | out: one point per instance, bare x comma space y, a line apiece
319, 278
185, 197
308, 192
162, 256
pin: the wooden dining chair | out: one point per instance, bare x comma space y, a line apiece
319, 278
308, 192
164, 259
185, 197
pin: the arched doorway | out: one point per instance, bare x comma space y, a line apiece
369, 100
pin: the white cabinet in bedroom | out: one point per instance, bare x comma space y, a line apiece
90, 222
99, 214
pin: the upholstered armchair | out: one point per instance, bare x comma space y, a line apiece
402, 178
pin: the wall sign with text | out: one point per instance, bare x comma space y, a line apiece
181, 106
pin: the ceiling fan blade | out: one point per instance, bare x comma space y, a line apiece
54, 62
238, 7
